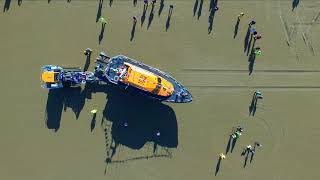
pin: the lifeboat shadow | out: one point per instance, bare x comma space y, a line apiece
60, 100
136, 120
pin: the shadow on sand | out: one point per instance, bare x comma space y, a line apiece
93, 122
144, 119
295, 4
246, 39
252, 59
101, 33
218, 167
200, 9
246, 160
87, 63
134, 121
228, 144
99, 10
195, 7
133, 30
151, 15
236, 28
6, 6
213, 4
233, 144
143, 17
161, 7
169, 18
61, 99
253, 106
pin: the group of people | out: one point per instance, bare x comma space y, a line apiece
147, 3
236, 134
256, 51
256, 36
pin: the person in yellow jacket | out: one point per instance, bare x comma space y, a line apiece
103, 21
222, 156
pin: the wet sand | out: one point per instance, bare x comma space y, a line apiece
48, 135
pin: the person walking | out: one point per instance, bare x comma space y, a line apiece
146, 3
94, 111
258, 94
252, 22
240, 15
257, 51
222, 156
103, 21
236, 135
87, 52
134, 20
257, 144
170, 10
257, 36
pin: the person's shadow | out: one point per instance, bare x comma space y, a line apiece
133, 30
295, 4
212, 14
251, 60
228, 144
253, 106
212, 4
246, 159
87, 63
161, 7
218, 166
168, 22
246, 39
249, 44
200, 8
195, 7
251, 158
236, 28
144, 119
101, 33
151, 16
99, 10
143, 17
233, 143
6, 6
135, 3
93, 122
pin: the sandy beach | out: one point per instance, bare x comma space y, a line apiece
51, 135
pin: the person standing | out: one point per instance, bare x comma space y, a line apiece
146, 3
170, 10
252, 22
87, 52
240, 15
258, 94
222, 156
103, 21
257, 51
257, 36
134, 20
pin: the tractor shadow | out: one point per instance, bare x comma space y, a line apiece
144, 118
